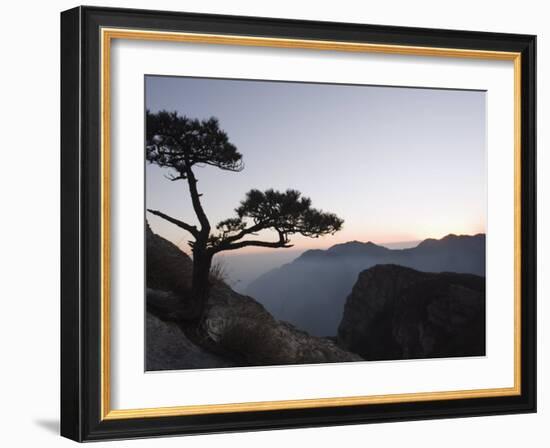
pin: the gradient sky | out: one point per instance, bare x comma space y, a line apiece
397, 164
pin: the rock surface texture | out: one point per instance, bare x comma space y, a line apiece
169, 349
395, 312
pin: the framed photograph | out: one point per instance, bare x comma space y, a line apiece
272, 224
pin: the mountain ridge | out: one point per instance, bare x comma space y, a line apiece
310, 291
356, 245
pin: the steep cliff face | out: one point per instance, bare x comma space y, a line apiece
395, 312
240, 330
310, 292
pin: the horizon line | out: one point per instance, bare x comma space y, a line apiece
410, 243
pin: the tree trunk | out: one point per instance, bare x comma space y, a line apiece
200, 284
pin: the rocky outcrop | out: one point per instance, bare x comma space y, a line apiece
239, 330
168, 348
310, 292
395, 312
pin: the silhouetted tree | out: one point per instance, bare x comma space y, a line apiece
180, 143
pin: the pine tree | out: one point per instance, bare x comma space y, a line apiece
179, 144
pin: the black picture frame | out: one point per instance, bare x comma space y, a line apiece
81, 414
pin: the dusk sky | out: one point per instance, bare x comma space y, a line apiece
397, 164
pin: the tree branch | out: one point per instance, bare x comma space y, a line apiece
191, 229
251, 243
248, 231
283, 242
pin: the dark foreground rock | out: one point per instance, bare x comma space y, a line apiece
239, 330
395, 312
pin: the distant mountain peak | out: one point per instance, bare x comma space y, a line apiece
311, 253
353, 247
450, 238
348, 248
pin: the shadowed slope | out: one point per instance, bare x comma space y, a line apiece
240, 331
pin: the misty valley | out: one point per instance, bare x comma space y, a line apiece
311, 291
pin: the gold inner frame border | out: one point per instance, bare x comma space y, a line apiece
107, 36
